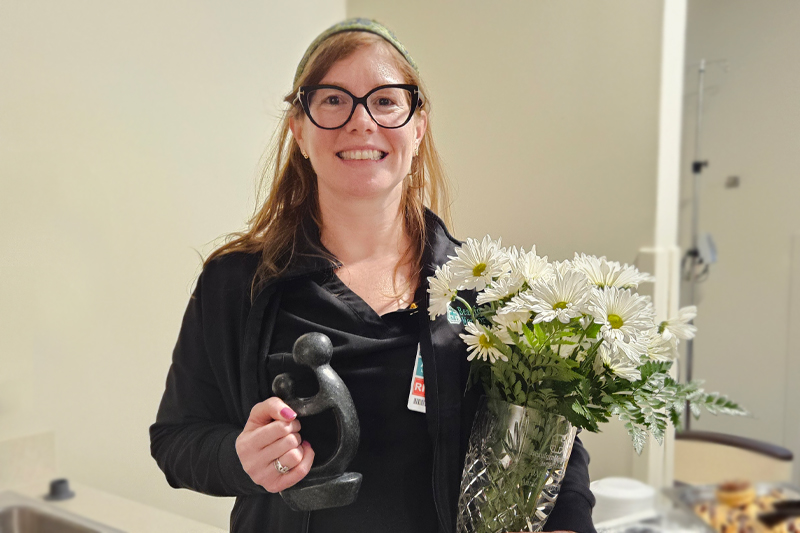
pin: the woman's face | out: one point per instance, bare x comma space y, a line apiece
340, 176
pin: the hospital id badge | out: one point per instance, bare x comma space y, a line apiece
416, 397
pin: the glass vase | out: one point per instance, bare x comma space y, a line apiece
516, 460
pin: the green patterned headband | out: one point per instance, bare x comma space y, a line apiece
355, 24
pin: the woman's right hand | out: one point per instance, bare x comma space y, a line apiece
272, 432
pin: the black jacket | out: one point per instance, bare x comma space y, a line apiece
214, 382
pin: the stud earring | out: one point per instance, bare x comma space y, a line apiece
305, 155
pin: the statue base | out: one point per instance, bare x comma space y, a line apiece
314, 494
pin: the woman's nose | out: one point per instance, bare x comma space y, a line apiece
361, 119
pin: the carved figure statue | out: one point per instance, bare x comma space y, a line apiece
326, 485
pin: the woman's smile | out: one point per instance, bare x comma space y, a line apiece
362, 155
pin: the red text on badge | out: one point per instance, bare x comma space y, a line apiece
419, 388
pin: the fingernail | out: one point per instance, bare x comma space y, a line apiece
306, 444
288, 414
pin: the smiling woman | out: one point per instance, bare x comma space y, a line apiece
361, 148
343, 245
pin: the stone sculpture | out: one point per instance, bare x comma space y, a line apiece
326, 485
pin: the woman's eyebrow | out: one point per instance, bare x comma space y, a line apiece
344, 86
337, 83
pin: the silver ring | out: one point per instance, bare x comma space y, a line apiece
280, 468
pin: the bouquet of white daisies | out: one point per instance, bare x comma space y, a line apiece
569, 337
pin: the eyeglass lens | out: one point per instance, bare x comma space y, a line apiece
330, 108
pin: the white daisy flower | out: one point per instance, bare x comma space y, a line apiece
631, 373
617, 361
625, 317
563, 296
659, 347
519, 303
604, 273
626, 370
634, 351
679, 326
441, 293
501, 288
510, 321
528, 265
478, 263
479, 345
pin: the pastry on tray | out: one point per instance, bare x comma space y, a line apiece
736, 493
737, 506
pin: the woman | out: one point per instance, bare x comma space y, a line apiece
343, 245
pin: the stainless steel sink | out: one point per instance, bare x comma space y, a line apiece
20, 514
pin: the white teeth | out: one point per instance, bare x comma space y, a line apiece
372, 155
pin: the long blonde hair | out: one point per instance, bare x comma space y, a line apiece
275, 230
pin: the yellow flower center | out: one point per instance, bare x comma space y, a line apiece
615, 321
560, 305
478, 269
484, 341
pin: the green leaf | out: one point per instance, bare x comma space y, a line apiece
716, 403
593, 330
521, 346
541, 337
571, 363
529, 336
654, 367
566, 410
498, 372
581, 410
638, 436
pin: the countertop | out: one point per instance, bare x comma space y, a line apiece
113, 510
27, 465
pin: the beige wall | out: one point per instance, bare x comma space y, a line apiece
751, 129
130, 136
550, 109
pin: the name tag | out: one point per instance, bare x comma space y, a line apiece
416, 397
